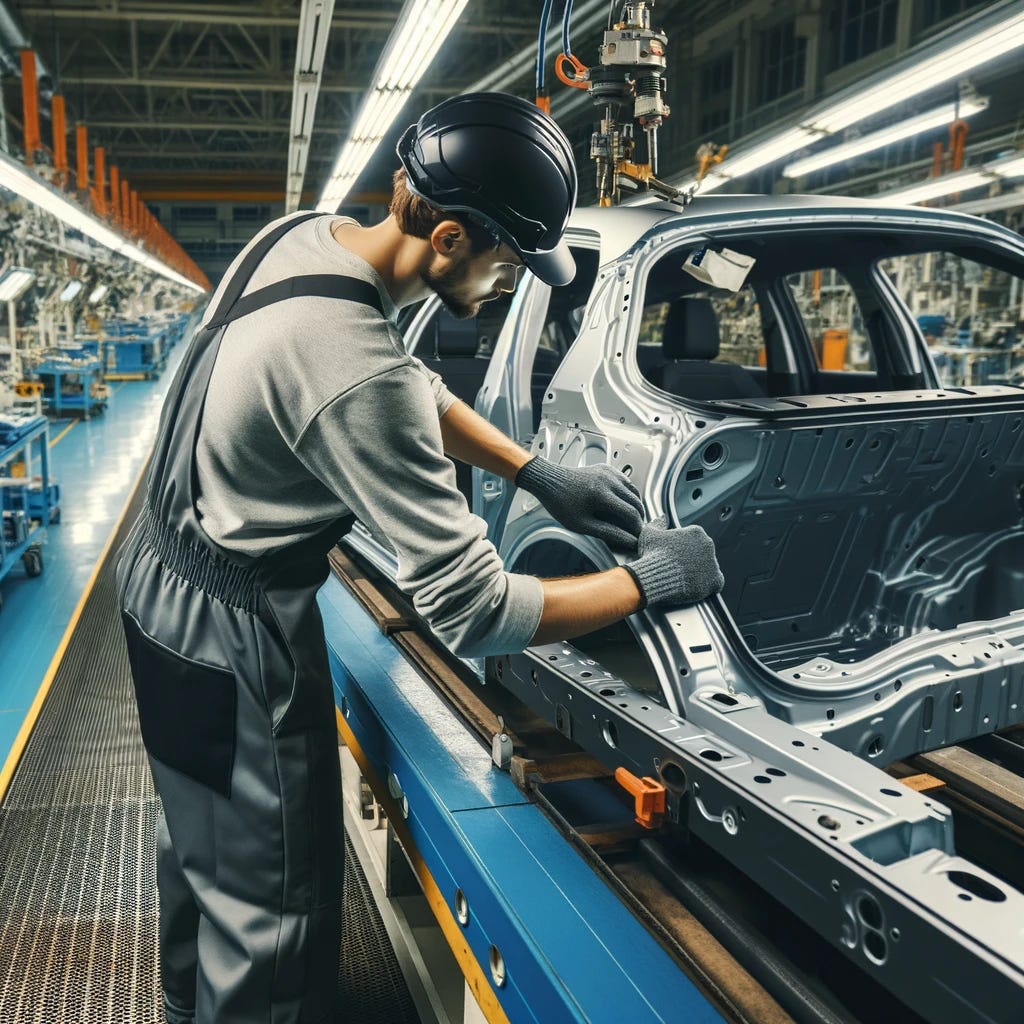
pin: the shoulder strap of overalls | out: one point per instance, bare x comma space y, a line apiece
234, 305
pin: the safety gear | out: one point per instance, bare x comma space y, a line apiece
594, 500
677, 566
504, 162
236, 706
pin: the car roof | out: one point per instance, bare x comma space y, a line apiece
621, 227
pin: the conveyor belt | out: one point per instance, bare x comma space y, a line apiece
78, 904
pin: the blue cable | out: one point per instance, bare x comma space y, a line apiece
565, 28
541, 38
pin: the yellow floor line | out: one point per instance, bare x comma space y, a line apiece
20, 741
64, 432
456, 939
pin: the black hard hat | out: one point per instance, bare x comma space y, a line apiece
504, 162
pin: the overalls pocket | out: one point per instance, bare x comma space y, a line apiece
186, 709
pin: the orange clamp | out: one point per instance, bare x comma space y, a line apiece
649, 796
580, 78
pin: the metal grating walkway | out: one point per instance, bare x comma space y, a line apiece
78, 904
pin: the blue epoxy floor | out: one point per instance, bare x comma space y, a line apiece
96, 462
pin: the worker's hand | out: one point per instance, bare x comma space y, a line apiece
676, 566
596, 500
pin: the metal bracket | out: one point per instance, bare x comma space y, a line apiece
501, 747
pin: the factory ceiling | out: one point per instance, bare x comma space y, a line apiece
186, 92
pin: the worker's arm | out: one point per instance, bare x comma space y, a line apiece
468, 437
581, 604
674, 567
594, 500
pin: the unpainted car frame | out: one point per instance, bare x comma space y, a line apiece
778, 766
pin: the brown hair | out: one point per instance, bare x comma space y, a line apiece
418, 217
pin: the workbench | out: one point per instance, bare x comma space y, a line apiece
136, 356
82, 372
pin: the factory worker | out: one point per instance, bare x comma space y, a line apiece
296, 409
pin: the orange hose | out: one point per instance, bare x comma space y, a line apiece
579, 79
957, 138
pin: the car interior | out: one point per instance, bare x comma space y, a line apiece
804, 322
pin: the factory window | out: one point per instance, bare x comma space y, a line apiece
783, 61
251, 214
970, 312
716, 87
834, 322
934, 12
196, 214
859, 28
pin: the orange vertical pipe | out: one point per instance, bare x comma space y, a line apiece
135, 213
82, 139
99, 168
126, 207
30, 105
60, 139
115, 193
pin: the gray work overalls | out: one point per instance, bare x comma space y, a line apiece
237, 714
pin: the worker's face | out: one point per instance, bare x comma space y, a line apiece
464, 280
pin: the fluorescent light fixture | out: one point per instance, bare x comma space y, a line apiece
758, 156
925, 72
886, 136
96, 295
991, 34
71, 289
963, 181
422, 28
16, 178
991, 204
1009, 168
15, 282
311, 47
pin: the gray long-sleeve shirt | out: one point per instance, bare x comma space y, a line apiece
315, 410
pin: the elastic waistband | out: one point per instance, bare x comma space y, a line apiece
197, 565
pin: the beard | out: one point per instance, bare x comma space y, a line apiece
443, 284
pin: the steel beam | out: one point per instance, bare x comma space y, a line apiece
220, 83
361, 19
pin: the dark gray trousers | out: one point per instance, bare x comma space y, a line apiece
250, 850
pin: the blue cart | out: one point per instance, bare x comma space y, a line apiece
72, 384
30, 501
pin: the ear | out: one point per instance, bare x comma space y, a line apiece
447, 237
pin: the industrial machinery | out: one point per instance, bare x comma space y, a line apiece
628, 85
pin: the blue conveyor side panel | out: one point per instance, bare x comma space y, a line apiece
572, 950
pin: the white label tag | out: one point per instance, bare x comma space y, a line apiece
725, 269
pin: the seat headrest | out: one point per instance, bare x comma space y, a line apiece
453, 337
691, 330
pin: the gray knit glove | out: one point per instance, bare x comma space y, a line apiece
596, 500
676, 566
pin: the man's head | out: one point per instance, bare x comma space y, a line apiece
468, 265
494, 165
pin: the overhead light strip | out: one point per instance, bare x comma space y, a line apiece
421, 30
921, 69
961, 181
926, 122
991, 204
18, 179
310, 51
